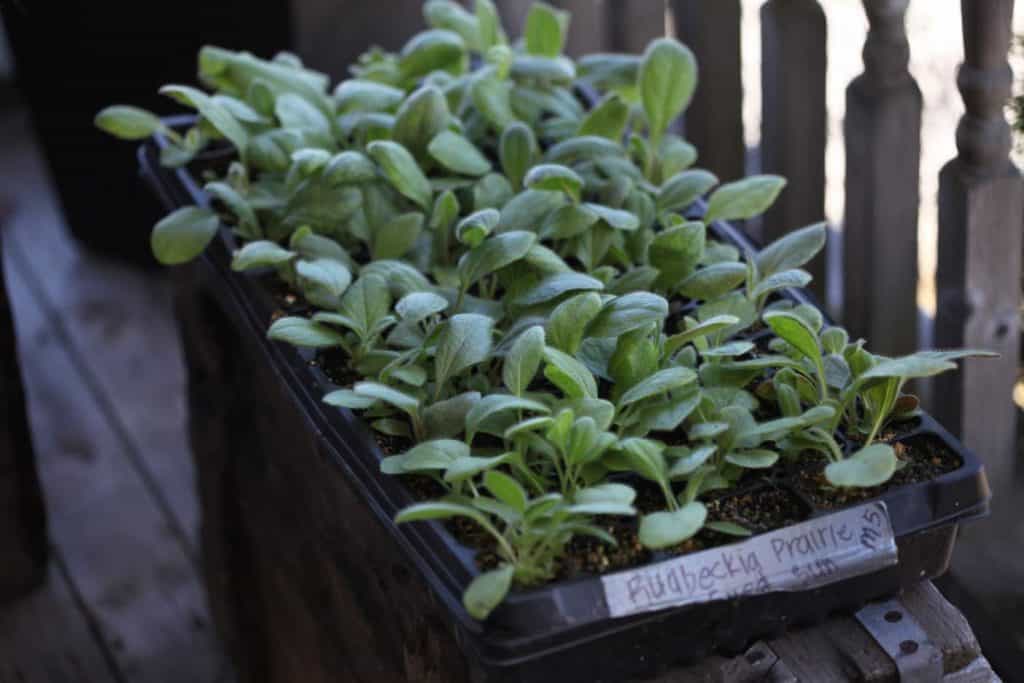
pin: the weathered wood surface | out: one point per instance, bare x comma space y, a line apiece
590, 28
793, 121
104, 385
882, 135
45, 637
23, 544
714, 120
632, 25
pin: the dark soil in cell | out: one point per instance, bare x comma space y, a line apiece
334, 363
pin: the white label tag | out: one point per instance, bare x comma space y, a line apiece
814, 553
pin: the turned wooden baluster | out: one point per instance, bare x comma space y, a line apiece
882, 133
714, 120
981, 208
793, 121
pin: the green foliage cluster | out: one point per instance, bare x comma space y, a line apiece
511, 275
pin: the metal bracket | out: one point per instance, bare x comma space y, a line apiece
897, 632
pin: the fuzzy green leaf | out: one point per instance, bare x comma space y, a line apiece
684, 188
554, 178
792, 250
465, 341
796, 333
496, 404
419, 306
304, 332
506, 489
545, 30
608, 119
667, 80
557, 285
487, 591
628, 312
870, 466
422, 116
660, 382
128, 123
517, 151
402, 171
327, 275
458, 154
676, 251
259, 254
569, 375
493, 254
448, 418
433, 50
666, 529
346, 398
183, 235
437, 510
523, 360
568, 322
713, 281
395, 238
743, 199
212, 111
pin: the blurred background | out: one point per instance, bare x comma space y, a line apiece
784, 89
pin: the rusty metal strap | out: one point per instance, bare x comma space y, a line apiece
902, 638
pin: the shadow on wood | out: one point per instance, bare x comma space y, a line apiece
23, 543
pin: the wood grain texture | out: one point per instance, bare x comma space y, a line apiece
590, 28
793, 120
124, 556
23, 543
633, 25
119, 330
714, 120
45, 637
882, 135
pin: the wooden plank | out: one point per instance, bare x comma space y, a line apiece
128, 351
126, 561
590, 27
23, 544
45, 638
793, 120
946, 626
635, 24
714, 120
330, 35
882, 135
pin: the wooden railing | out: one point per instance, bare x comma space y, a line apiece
981, 212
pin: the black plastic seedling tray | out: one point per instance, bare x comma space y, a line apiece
565, 631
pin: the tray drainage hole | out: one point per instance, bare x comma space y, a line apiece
908, 647
755, 657
893, 616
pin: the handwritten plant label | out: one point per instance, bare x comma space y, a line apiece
814, 553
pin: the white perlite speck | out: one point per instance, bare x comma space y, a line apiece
814, 553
